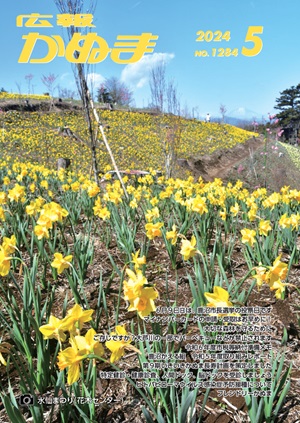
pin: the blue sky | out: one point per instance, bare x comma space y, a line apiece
203, 83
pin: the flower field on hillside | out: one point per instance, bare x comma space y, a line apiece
13, 96
137, 140
102, 296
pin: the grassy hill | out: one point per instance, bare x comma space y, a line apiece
137, 140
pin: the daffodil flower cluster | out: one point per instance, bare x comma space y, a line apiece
13, 96
81, 347
136, 290
136, 138
291, 221
49, 214
273, 276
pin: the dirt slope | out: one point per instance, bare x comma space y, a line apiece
256, 162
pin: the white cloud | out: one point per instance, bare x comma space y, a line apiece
137, 74
67, 80
95, 79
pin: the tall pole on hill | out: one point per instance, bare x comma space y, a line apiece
80, 70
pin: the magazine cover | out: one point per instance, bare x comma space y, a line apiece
150, 211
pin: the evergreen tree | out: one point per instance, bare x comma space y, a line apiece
289, 105
103, 95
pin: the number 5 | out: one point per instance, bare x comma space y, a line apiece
258, 44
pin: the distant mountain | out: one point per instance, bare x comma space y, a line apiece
241, 117
234, 121
246, 114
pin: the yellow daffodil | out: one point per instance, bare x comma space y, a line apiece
41, 231
284, 221
260, 276
219, 298
102, 212
134, 285
133, 204
2, 214
61, 263
248, 236
173, 235
4, 262
223, 214
151, 214
278, 271
75, 186
278, 287
122, 342
88, 344
3, 197
44, 184
138, 261
9, 244
4, 348
154, 201
252, 212
71, 358
188, 249
264, 227
93, 190
153, 229
53, 212
76, 317
144, 303
198, 205
55, 328
234, 209
17, 193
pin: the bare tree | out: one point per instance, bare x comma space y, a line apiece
19, 87
158, 85
80, 70
223, 111
170, 136
65, 93
173, 104
29, 79
165, 93
49, 81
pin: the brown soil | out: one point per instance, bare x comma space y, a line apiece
126, 404
244, 162
33, 105
219, 163
257, 163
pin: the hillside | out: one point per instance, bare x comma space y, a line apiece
256, 162
138, 140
